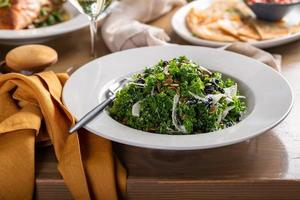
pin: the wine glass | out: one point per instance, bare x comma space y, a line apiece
92, 8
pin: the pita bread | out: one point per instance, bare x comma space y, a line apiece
211, 31
239, 29
270, 30
295, 28
232, 20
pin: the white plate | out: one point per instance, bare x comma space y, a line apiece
179, 26
268, 94
38, 35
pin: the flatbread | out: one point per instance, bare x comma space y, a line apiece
211, 31
240, 29
270, 30
232, 20
295, 28
220, 8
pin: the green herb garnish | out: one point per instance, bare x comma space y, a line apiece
52, 17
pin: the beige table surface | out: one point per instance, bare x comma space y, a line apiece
266, 167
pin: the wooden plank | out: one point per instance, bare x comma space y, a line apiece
49, 189
163, 189
147, 189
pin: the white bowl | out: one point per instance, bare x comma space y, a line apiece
269, 96
39, 35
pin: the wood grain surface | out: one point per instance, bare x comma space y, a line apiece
266, 167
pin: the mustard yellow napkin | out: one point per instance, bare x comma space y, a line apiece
85, 161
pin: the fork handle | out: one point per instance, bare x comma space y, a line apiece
91, 114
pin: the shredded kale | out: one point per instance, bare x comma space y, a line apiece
207, 101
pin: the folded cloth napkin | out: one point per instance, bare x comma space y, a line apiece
246, 49
85, 161
124, 28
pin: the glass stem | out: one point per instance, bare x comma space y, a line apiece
93, 30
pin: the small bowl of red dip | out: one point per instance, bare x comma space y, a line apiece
272, 10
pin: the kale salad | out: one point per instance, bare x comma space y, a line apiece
178, 97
